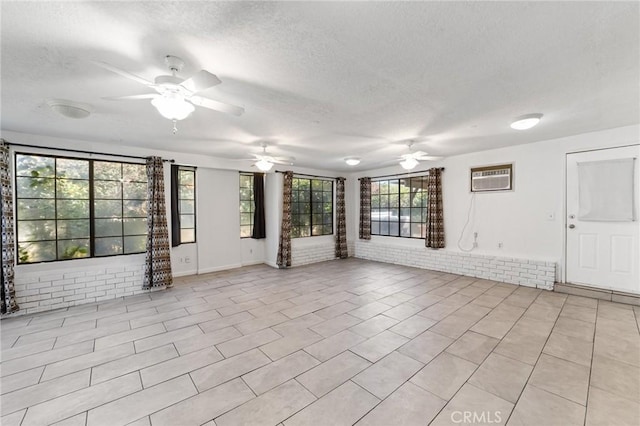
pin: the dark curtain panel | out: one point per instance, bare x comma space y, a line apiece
175, 207
157, 270
365, 208
259, 227
8, 239
341, 221
435, 215
284, 247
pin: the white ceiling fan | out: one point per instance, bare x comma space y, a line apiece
412, 159
265, 162
176, 97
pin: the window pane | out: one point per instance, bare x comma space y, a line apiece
135, 226
316, 208
384, 228
246, 181
245, 231
108, 227
74, 189
108, 190
186, 192
316, 219
134, 208
36, 230
108, 208
327, 229
135, 244
73, 209
405, 230
384, 187
316, 230
375, 201
72, 169
134, 172
245, 207
304, 184
108, 246
327, 218
187, 206
68, 229
405, 200
187, 177
405, 215
37, 252
416, 230
35, 166
35, 187
384, 201
135, 191
73, 249
187, 235
375, 188
375, 228
107, 170
246, 218
394, 229
327, 197
327, 185
36, 209
416, 215
187, 221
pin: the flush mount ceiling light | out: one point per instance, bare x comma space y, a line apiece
526, 121
352, 161
69, 109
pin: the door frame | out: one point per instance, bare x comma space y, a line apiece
565, 210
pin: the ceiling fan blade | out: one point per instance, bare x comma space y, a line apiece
429, 158
215, 105
283, 160
200, 81
123, 73
132, 97
417, 154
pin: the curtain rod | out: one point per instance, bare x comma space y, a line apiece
316, 176
408, 174
79, 151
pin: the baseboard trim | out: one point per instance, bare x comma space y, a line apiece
185, 273
219, 268
598, 293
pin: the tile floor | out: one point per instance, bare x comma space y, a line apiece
341, 342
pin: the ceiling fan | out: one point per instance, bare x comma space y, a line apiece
265, 162
176, 97
412, 159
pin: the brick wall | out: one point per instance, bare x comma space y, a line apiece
531, 273
316, 253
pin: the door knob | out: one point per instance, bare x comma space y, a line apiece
572, 226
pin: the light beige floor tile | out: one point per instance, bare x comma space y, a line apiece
128, 336
143, 403
74, 403
502, 376
396, 299
333, 311
160, 317
426, 346
278, 372
14, 419
193, 344
539, 407
569, 348
473, 347
607, 409
582, 301
217, 373
122, 366
488, 300
143, 313
335, 325
71, 365
21, 380
470, 401
224, 322
26, 339
427, 300
403, 311
334, 345
342, 406
307, 308
616, 377
226, 311
205, 406
331, 374
295, 325
91, 334
523, 345
292, 341
575, 328
439, 311
618, 348
250, 341
47, 357
269, 408
457, 324
373, 326
409, 405
380, 345
192, 319
386, 375
178, 366
563, 378
541, 312
444, 375
77, 420
413, 326
580, 313
42, 392
271, 308
260, 323
370, 310
8, 354
168, 337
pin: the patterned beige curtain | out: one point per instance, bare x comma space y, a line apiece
284, 247
341, 221
435, 215
365, 208
8, 239
157, 270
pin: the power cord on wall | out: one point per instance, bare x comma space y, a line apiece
464, 228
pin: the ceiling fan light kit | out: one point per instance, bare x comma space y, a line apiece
526, 122
69, 109
409, 163
172, 106
264, 165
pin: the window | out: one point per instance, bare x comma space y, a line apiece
71, 208
187, 204
311, 207
247, 206
399, 207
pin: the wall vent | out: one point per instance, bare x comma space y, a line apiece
492, 178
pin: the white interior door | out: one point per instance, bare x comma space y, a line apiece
602, 243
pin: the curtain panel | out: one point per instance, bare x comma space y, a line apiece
435, 214
365, 208
341, 221
157, 270
175, 208
284, 247
259, 226
8, 295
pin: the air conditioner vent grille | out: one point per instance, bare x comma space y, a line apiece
492, 178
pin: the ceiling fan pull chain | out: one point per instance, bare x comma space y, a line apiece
175, 126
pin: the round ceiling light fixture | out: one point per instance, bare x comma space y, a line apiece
69, 109
409, 163
526, 121
264, 165
352, 161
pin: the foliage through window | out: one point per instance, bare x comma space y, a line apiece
71, 208
399, 207
247, 205
187, 204
311, 207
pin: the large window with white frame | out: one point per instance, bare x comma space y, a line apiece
399, 207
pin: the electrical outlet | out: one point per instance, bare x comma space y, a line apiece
187, 259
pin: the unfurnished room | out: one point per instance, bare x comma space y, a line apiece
298, 213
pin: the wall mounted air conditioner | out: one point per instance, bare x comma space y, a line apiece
492, 178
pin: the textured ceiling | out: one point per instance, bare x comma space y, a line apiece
323, 81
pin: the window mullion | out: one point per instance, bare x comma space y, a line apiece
92, 226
